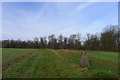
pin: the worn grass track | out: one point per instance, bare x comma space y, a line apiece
100, 62
47, 63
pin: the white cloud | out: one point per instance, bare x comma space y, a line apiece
27, 26
81, 7
94, 27
30, 25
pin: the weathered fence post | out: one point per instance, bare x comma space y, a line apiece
84, 61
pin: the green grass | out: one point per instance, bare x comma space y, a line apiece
100, 62
111, 56
45, 63
10, 54
50, 65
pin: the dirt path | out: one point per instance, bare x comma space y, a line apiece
57, 53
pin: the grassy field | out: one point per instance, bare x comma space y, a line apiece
47, 63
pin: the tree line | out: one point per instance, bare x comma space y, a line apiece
107, 40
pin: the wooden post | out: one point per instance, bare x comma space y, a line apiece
84, 61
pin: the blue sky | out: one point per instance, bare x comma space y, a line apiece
26, 20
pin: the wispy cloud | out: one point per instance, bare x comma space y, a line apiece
80, 8
43, 19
